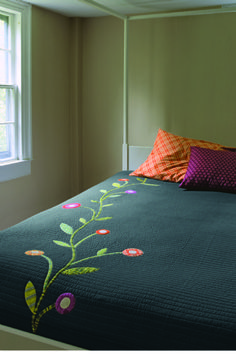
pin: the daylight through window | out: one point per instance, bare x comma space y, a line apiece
8, 88
15, 93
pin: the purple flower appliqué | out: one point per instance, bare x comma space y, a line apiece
65, 303
130, 191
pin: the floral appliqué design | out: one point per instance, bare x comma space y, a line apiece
66, 301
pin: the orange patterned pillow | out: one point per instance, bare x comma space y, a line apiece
170, 155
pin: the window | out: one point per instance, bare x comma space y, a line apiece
8, 117
15, 89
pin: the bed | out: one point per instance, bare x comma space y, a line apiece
133, 263
144, 260
154, 270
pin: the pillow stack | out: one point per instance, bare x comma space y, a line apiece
197, 164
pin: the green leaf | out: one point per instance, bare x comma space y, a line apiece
81, 270
103, 191
101, 252
94, 201
63, 244
82, 220
66, 228
116, 185
140, 180
106, 218
114, 195
30, 296
107, 205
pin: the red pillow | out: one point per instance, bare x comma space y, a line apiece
170, 156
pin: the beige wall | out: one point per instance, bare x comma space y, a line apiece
102, 98
181, 78
51, 180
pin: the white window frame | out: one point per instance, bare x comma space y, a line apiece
21, 166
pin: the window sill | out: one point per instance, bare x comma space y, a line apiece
14, 170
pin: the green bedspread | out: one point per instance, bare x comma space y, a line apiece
131, 263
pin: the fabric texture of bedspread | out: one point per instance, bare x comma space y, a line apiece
131, 263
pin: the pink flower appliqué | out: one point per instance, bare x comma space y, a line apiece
132, 252
123, 179
65, 303
71, 206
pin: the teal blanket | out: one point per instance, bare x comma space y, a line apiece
129, 264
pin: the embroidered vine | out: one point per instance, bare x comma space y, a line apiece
66, 301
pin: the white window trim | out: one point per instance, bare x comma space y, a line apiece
22, 167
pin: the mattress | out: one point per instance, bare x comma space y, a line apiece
131, 263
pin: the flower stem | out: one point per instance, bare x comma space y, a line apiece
50, 266
78, 243
102, 255
36, 322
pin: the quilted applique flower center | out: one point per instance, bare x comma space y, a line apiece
65, 303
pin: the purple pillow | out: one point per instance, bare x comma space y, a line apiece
210, 170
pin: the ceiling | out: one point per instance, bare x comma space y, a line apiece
76, 8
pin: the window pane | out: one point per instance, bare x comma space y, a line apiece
4, 35
4, 67
3, 107
7, 131
4, 50
7, 141
6, 105
3, 138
